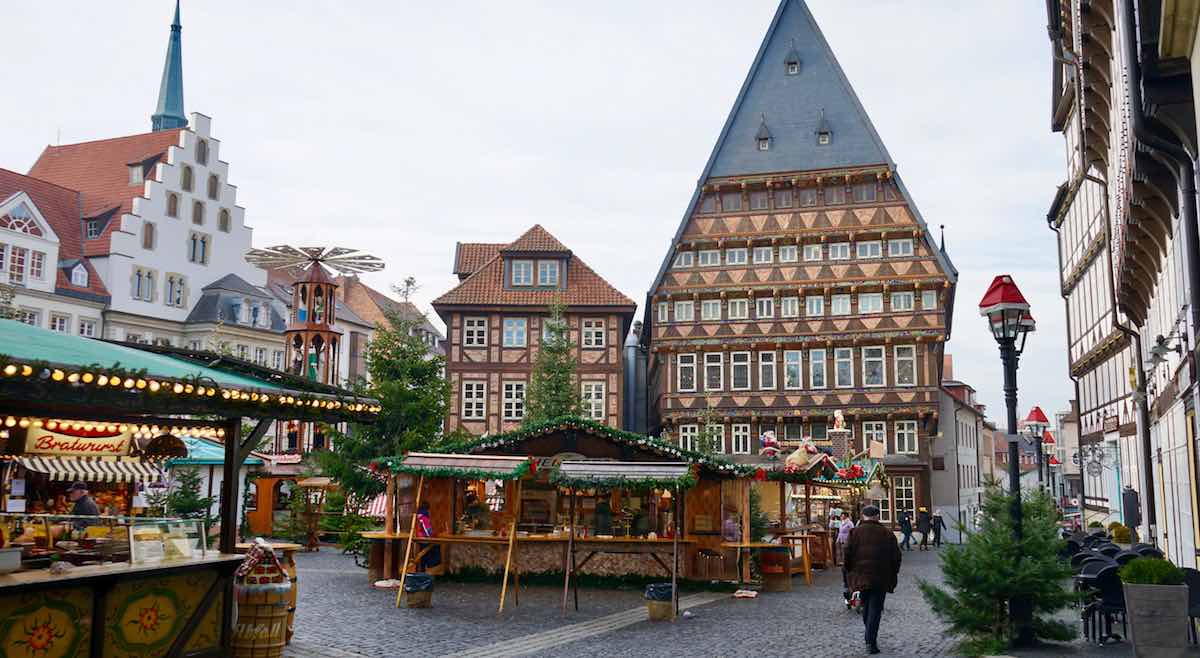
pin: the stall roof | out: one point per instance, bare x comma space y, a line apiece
51, 370
615, 474
202, 452
92, 469
463, 467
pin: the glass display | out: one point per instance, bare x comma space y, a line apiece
95, 540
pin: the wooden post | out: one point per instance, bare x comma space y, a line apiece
389, 525
807, 503
783, 507
412, 530
745, 574
512, 542
675, 553
229, 485
569, 556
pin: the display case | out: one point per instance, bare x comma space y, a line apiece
97, 540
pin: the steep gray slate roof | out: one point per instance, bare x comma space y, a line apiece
218, 298
791, 106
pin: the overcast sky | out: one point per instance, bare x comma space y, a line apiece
402, 127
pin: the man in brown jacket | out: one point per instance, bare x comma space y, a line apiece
872, 564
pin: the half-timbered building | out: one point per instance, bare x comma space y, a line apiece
497, 317
802, 279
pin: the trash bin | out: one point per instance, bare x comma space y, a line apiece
660, 605
418, 590
263, 592
776, 569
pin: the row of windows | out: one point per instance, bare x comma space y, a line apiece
198, 245
690, 437
516, 332
789, 307
224, 219
22, 264
187, 183
59, 322
523, 271
709, 369
143, 286
789, 253
828, 195
474, 400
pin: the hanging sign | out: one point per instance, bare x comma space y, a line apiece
97, 442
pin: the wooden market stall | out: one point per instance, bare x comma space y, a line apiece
139, 586
636, 527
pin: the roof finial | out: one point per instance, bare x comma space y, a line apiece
168, 114
942, 227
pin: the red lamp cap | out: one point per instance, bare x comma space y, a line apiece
1036, 415
1002, 295
1048, 437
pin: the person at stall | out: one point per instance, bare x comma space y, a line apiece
478, 515
730, 529
433, 556
872, 567
83, 505
603, 518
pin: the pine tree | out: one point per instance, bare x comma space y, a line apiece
553, 388
712, 431
992, 567
184, 499
414, 395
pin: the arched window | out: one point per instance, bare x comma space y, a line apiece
202, 152
79, 276
148, 237
214, 184
197, 212
185, 180
172, 205
223, 220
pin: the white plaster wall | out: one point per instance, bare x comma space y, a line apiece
47, 244
226, 251
60, 305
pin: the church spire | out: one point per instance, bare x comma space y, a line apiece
168, 113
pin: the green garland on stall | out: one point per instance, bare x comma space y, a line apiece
686, 481
658, 446
398, 466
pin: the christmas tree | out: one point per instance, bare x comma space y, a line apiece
992, 567
553, 390
184, 499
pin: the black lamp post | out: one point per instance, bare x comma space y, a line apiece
1008, 314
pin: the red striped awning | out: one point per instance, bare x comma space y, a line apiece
377, 508
93, 469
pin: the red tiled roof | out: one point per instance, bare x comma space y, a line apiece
470, 256
536, 239
60, 207
485, 287
100, 171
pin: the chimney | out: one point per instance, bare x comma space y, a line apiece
947, 367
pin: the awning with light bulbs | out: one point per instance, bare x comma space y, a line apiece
92, 469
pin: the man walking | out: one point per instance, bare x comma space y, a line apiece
906, 530
872, 564
939, 524
923, 526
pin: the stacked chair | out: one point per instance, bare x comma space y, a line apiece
1096, 563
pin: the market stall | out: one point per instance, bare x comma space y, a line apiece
123, 585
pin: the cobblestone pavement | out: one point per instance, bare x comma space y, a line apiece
340, 616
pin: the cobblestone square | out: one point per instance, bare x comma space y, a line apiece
339, 615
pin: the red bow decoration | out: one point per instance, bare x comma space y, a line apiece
760, 475
532, 466
373, 467
851, 472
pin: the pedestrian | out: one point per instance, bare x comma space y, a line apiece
843, 534
432, 554
923, 525
906, 529
872, 564
939, 524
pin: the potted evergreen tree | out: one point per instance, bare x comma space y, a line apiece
1156, 605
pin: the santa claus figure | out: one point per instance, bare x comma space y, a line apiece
770, 445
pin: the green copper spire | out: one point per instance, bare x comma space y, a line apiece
169, 112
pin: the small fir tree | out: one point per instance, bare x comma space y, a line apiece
553, 389
414, 395
712, 431
992, 567
183, 498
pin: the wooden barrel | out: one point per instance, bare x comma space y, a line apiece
288, 561
263, 599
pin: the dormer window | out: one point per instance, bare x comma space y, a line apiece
548, 273
823, 131
522, 273
763, 136
823, 138
256, 315
764, 144
793, 67
791, 63
136, 175
79, 276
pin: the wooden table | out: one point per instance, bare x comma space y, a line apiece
287, 559
805, 540
760, 545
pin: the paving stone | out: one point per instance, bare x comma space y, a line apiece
341, 616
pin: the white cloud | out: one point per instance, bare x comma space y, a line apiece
403, 127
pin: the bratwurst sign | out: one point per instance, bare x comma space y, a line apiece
97, 442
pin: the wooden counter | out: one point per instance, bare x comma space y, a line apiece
482, 539
121, 609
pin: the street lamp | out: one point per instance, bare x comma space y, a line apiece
1008, 315
1036, 425
1050, 446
